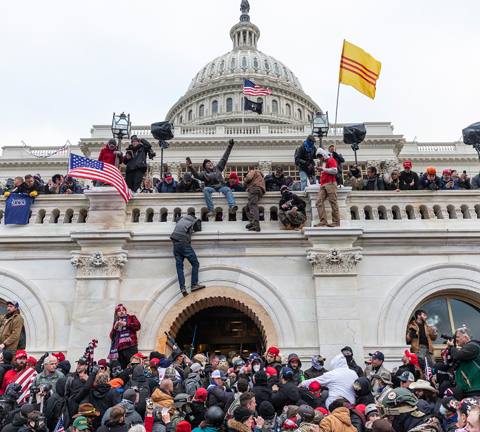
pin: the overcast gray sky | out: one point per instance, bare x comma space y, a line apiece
66, 65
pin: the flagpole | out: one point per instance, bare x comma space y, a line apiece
243, 111
336, 112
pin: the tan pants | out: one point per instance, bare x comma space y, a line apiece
328, 191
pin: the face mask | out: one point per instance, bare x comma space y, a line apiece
111, 146
442, 410
256, 368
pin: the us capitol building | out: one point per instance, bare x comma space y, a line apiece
309, 292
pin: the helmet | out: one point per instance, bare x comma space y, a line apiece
371, 409
238, 363
181, 399
399, 401
215, 416
431, 170
253, 356
306, 412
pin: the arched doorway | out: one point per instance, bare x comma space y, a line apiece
220, 329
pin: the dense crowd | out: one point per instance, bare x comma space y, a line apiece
272, 392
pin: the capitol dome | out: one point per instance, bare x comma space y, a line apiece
215, 93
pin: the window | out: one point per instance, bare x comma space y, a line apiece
277, 70
203, 74
259, 100
181, 119
214, 107
267, 66
212, 69
274, 106
222, 66
244, 62
285, 72
201, 111
190, 115
309, 118
241, 170
255, 63
229, 105
299, 114
293, 77
448, 314
233, 64
288, 110
289, 171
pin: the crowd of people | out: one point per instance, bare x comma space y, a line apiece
273, 392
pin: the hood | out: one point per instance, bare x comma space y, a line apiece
18, 420
366, 387
339, 361
60, 386
138, 373
342, 414
101, 390
260, 378
423, 406
258, 360
294, 356
129, 407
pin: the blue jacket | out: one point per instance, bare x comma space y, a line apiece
163, 187
76, 188
444, 185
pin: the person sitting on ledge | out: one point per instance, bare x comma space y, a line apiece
234, 184
292, 210
188, 184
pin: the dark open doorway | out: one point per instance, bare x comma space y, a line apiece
220, 329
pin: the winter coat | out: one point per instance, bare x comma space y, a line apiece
392, 185
356, 183
354, 367
11, 331
133, 326
113, 427
287, 394
304, 158
185, 227
415, 342
261, 389
213, 178
314, 373
254, 179
297, 373
76, 188
4, 368
273, 380
339, 159
108, 156
164, 187
139, 380
313, 400
364, 395
476, 182
193, 188
296, 201
339, 381
102, 397
236, 426
370, 370
53, 409
276, 364
273, 184
373, 184
139, 158
37, 187
463, 184
218, 396
162, 399
79, 390
337, 421
42, 379
18, 422
406, 179
198, 412
132, 417
444, 184
424, 183
192, 383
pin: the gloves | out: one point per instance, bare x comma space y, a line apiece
412, 334
6, 194
231, 143
95, 369
118, 153
33, 194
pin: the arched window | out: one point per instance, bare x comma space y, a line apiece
285, 72
201, 111
190, 115
233, 64
293, 77
181, 119
288, 110
299, 114
255, 63
274, 106
244, 62
203, 73
229, 105
277, 70
222, 65
259, 100
214, 107
212, 69
449, 313
267, 66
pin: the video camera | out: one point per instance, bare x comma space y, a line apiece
448, 337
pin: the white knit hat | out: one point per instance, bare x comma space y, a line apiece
321, 152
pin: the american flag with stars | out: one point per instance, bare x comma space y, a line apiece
252, 89
95, 170
60, 426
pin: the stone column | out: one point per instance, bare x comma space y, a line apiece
175, 168
334, 260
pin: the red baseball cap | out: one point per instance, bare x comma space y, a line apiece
361, 408
59, 356
412, 358
314, 386
140, 355
447, 171
32, 361
184, 426
273, 350
271, 371
407, 164
201, 394
154, 362
20, 354
322, 410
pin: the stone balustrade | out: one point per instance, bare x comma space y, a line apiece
357, 209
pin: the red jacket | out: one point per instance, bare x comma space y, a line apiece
107, 156
133, 326
326, 178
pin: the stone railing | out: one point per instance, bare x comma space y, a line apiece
357, 209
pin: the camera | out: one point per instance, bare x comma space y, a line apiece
447, 336
47, 388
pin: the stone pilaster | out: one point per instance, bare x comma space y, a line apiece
175, 168
265, 167
334, 260
154, 169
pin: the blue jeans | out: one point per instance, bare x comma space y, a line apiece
304, 179
180, 252
207, 192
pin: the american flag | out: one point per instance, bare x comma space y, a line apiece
428, 371
59, 427
95, 170
251, 89
25, 379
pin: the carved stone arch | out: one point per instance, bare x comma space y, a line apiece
451, 278
269, 308
38, 322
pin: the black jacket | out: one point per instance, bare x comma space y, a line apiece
18, 422
23, 188
214, 178
113, 427
296, 201
312, 400
193, 188
139, 159
406, 179
218, 396
102, 397
374, 183
304, 158
4, 368
424, 183
364, 395
198, 412
261, 389
297, 373
287, 394
273, 184
273, 380
314, 373
139, 380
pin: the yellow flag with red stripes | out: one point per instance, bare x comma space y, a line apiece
359, 69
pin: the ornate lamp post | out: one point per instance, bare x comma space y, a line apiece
320, 125
120, 128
